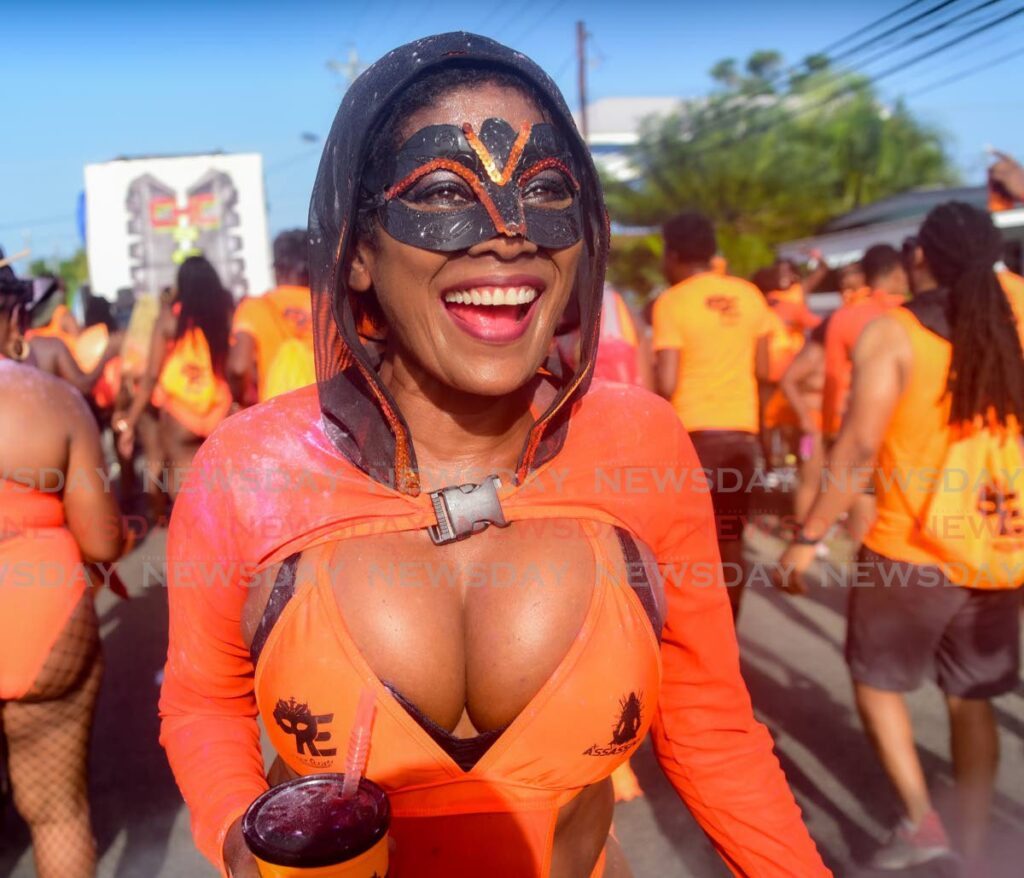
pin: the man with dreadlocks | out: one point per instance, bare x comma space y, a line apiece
938, 399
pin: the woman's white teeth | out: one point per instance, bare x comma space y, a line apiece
493, 296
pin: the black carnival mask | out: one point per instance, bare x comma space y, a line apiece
448, 188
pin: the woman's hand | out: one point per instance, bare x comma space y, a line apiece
1010, 174
790, 573
239, 860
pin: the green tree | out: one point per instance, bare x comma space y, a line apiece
771, 155
73, 271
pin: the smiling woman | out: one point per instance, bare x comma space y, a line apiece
507, 628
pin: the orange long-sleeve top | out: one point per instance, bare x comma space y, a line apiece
270, 482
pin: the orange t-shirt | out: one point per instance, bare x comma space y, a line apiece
844, 328
1013, 286
283, 313
714, 322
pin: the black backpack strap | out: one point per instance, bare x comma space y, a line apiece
282, 592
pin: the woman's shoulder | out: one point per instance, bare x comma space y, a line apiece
272, 432
32, 386
623, 416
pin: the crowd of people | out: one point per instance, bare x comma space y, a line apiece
432, 385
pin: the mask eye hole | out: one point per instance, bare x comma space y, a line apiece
549, 189
439, 191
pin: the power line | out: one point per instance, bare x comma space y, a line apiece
943, 64
850, 88
928, 53
894, 30
941, 26
963, 74
870, 27
538, 20
734, 113
795, 69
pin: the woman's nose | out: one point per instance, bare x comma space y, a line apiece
504, 247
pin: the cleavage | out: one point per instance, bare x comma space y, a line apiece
468, 632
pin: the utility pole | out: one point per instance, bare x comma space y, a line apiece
581, 60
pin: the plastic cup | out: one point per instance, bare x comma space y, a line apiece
304, 829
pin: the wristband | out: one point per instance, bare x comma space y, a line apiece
801, 539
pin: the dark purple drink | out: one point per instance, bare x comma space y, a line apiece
304, 824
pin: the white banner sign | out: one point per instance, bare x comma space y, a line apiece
145, 216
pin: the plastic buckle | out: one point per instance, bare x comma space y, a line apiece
463, 510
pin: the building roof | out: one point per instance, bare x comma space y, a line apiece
907, 205
891, 221
616, 121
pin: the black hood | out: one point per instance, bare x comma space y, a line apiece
360, 414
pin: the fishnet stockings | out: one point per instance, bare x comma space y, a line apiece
47, 749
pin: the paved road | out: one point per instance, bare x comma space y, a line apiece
793, 664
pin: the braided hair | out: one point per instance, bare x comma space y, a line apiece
986, 375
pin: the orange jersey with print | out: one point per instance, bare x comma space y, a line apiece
188, 389
270, 487
912, 466
844, 328
281, 314
714, 323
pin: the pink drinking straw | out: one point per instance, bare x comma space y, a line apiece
359, 743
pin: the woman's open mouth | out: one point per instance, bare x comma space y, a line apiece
492, 312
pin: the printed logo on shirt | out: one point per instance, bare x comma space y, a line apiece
1001, 508
194, 375
728, 307
625, 730
299, 321
295, 718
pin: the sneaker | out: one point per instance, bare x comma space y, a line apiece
911, 845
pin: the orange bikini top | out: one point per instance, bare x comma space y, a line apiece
589, 716
607, 683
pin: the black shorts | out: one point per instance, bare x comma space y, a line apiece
907, 622
731, 458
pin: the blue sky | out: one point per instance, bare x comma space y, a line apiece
85, 82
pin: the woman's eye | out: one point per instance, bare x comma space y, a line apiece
548, 189
440, 191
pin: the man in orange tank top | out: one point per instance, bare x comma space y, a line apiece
950, 358
887, 280
711, 335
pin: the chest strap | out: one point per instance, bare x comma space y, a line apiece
282, 592
639, 581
